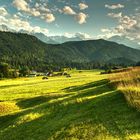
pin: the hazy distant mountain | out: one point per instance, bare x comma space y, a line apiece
24, 49
5, 28
62, 39
58, 39
125, 41
45, 38
78, 37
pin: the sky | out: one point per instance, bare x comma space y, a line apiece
89, 18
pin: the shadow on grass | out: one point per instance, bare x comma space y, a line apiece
78, 116
36, 101
86, 86
17, 85
9, 86
31, 102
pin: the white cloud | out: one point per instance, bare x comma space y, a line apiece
104, 30
69, 35
3, 11
119, 29
37, 29
114, 15
108, 33
114, 6
17, 24
81, 18
42, 7
127, 22
128, 26
34, 12
80, 35
68, 10
49, 18
21, 5
83, 6
83, 36
3, 20
37, 5
41, 10
37, 10
132, 26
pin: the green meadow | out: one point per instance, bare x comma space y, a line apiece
83, 107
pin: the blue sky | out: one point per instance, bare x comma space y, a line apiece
90, 18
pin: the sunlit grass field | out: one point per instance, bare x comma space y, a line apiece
83, 107
129, 83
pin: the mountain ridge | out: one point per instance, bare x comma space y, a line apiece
23, 49
59, 39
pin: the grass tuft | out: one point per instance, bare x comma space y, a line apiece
7, 107
129, 83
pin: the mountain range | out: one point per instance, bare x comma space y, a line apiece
123, 40
23, 49
59, 39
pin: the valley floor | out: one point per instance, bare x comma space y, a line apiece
83, 107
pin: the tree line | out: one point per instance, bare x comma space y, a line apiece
9, 71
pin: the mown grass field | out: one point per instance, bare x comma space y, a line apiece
83, 107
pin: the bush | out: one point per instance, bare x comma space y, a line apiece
4, 70
24, 71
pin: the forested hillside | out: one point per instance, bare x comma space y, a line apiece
21, 49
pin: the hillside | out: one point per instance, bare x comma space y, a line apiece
124, 40
22, 49
102, 50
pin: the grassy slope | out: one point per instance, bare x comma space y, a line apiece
81, 107
128, 82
